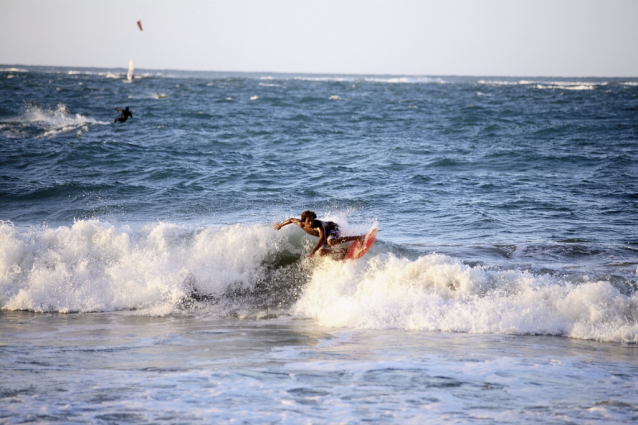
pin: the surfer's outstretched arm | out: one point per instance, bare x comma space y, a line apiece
293, 220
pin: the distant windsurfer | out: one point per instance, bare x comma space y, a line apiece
328, 232
125, 115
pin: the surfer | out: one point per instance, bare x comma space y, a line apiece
328, 232
125, 115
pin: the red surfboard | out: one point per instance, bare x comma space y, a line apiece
358, 249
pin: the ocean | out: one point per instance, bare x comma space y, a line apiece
142, 281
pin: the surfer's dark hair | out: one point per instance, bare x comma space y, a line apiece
308, 213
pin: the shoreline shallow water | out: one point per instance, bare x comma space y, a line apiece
122, 367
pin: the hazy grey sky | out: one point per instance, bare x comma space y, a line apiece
439, 37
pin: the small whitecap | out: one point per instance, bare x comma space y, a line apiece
498, 83
13, 70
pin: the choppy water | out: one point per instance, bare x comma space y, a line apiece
507, 255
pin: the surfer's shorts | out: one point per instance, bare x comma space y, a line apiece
333, 234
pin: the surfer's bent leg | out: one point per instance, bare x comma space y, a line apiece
334, 238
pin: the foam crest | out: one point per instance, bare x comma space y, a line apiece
404, 80
544, 85
384, 80
58, 120
94, 266
438, 293
13, 70
565, 85
327, 79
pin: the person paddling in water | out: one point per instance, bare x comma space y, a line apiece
125, 115
328, 232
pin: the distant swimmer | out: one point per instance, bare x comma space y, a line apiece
125, 115
328, 233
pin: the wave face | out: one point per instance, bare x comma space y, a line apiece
255, 271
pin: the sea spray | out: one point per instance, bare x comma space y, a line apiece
439, 293
44, 122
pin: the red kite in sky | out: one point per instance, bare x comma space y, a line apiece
139, 24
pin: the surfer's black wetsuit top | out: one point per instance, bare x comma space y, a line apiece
125, 114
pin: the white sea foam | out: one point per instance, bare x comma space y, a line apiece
566, 86
404, 80
438, 293
498, 83
386, 80
543, 85
58, 120
108, 74
146, 95
13, 70
327, 79
94, 266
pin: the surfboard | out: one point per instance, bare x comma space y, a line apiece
358, 249
131, 70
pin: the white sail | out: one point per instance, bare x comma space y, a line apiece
131, 70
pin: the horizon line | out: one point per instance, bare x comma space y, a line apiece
326, 73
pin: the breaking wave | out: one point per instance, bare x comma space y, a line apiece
163, 268
93, 266
47, 122
439, 293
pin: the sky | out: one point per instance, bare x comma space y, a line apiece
562, 38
